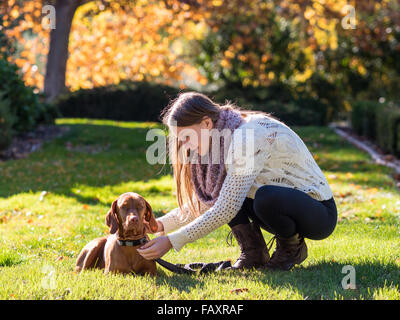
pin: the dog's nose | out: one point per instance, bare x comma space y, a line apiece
133, 219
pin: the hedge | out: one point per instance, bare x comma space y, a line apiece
282, 101
363, 118
129, 101
7, 120
378, 122
142, 101
388, 127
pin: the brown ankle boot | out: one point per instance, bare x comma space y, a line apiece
288, 252
254, 252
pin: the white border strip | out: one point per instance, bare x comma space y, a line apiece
379, 159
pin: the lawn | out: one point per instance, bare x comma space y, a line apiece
55, 201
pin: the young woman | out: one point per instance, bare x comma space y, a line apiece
277, 185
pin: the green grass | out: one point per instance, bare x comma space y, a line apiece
40, 240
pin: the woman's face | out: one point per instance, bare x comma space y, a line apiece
196, 136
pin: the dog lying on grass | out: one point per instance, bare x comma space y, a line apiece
129, 219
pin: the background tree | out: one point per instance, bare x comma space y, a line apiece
300, 44
49, 50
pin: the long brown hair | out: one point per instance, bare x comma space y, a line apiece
187, 109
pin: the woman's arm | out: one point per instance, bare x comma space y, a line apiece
176, 219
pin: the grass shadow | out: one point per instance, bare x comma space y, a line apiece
322, 280
60, 169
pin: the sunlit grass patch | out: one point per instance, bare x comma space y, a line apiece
55, 201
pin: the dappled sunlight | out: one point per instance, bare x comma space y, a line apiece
105, 122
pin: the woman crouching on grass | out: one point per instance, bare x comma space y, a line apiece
277, 186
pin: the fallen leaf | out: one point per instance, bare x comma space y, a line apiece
389, 157
239, 290
344, 195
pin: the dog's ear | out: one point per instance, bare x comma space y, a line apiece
151, 224
111, 217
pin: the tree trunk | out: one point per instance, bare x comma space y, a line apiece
54, 82
57, 56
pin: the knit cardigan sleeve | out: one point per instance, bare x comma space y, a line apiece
176, 219
242, 171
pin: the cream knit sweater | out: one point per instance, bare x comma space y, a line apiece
279, 157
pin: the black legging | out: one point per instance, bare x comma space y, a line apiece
285, 211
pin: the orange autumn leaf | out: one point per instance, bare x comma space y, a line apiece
239, 290
346, 194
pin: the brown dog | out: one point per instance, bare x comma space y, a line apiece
129, 218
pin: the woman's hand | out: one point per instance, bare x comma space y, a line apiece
155, 248
160, 227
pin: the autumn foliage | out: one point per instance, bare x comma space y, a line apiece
247, 42
107, 44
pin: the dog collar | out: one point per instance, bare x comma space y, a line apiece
132, 243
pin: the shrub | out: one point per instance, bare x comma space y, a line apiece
295, 113
276, 91
25, 104
378, 122
280, 101
130, 101
363, 118
143, 101
7, 120
20, 108
388, 127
